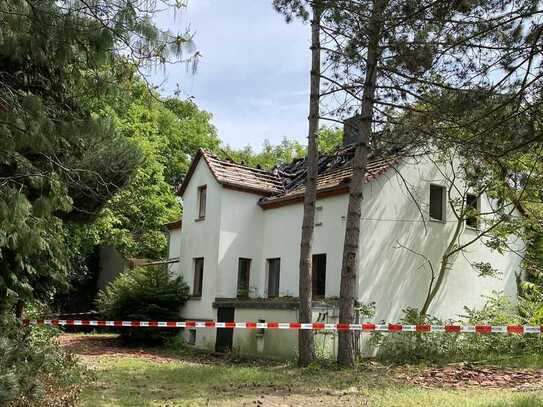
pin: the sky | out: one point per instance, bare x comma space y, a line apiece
253, 76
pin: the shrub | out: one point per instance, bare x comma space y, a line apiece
144, 294
31, 360
445, 348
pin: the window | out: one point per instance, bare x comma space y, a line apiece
319, 275
274, 267
437, 202
244, 272
198, 276
261, 331
318, 216
202, 197
472, 209
191, 340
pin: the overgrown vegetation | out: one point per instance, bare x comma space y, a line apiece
144, 294
447, 348
30, 359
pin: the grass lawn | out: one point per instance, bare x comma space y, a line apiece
148, 379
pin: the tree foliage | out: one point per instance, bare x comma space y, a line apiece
168, 132
60, 161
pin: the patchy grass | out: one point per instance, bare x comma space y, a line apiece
134, 378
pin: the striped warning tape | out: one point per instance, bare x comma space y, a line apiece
316, 326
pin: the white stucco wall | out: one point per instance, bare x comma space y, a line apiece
200, 238
240, 236
392, 277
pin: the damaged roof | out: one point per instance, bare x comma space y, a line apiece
285, 184
235, 176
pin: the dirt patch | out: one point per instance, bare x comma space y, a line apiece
466, 376
95, 346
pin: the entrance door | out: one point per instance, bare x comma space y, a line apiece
225, 336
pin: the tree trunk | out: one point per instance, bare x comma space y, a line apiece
306, 342
350, 261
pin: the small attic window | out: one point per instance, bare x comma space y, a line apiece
202, 197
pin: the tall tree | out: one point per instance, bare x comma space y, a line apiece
59, 162
390, 55
350, 261
306, 342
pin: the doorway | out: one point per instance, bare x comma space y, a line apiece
225, 336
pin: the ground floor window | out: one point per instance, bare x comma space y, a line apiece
198, 276
274, 267
244, 274
319, 275
191, 340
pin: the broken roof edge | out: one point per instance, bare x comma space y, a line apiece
340, 189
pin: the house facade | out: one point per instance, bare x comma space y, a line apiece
238, 247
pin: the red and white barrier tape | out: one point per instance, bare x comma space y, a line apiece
316, 326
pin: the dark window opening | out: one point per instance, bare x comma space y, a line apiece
202, 197
319, 275
472, 210
261, 331
198, 276
437, 201
274, 267
244, 274
191, 340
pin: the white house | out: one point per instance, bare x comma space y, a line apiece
238, 246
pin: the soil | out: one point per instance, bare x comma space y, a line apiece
465, 375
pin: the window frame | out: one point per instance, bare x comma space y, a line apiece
477, 200
243, 260
202, 203
198, 278
268, 276
443, 203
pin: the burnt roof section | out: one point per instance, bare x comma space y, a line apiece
335, 171
285, 184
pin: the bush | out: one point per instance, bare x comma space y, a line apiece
446, 348
144, 294
30, 361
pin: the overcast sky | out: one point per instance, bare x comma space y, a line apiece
253, 76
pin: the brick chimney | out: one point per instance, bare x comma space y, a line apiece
351, 130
